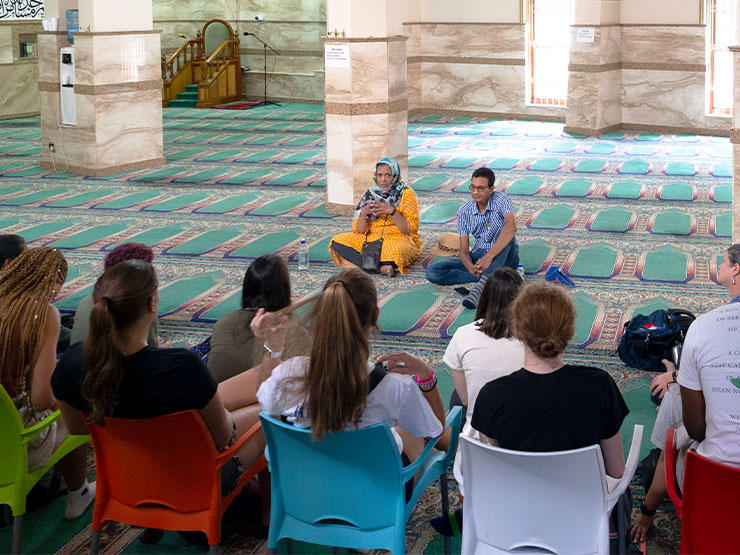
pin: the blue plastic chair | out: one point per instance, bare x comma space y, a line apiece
348, 490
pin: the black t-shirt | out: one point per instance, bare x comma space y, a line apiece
156, 382
573, 407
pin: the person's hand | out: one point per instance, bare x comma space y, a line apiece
483, 263
640, 527
659, 384
401, 362
379, 207
270, 328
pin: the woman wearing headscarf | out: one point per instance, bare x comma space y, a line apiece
389, 210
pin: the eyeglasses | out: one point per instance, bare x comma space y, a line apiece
475, 189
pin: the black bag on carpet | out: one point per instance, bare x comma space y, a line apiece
647, 340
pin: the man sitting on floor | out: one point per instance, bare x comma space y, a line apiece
489, 217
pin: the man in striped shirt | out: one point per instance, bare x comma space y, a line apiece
489, 218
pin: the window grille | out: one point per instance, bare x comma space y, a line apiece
721, 29
548, 51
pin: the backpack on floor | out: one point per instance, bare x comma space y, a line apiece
647, 340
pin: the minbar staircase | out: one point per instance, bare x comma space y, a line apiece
193, 78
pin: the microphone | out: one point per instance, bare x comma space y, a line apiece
181, 36
247, 34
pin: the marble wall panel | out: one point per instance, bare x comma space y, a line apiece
398, 125
166, 9
84, 60
413, 85
736, 85
284, 63
124, 58
339, 161
210, 9
370, 143
170, 29
285, 36
583, 93
668, 98
397, 71
609, 108
606, 48
338, 84
48, 62
287, 86
473, 41
662, 44
131, 134
19, 93
286, 10
483, 88
369, 61
413, 44
6, 44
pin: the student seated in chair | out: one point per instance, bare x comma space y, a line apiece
29, 330
330, 390
549, 405
116, 373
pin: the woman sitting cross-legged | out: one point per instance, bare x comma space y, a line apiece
115, 373
329, 391
549, 405
389, 210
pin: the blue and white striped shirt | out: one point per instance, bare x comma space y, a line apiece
486, 226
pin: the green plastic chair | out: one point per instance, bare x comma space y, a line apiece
15, 480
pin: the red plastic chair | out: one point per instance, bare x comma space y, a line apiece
709, 508
163, 472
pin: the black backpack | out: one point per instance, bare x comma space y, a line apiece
647, 340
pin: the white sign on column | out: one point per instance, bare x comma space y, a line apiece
336, 55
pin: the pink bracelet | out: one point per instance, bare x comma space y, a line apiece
430, 379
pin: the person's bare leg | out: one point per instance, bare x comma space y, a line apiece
265, 492
240, 390
74, 464
653, 499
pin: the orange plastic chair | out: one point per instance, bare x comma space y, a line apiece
709, 508
164, 473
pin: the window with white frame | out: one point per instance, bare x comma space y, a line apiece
721, 35
548, 51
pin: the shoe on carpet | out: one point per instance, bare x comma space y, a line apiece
78, 501
450, 524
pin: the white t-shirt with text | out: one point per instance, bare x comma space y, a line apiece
710, 362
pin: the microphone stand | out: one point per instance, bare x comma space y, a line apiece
265, 46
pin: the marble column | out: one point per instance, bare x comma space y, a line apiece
365, 94
594, 104
117, 90
735, 140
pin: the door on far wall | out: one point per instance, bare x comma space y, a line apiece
548, 51
721, 34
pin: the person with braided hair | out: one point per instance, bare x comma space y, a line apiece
29, 329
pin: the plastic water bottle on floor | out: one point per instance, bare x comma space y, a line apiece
303, 262
520, 271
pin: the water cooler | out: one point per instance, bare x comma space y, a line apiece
67, 85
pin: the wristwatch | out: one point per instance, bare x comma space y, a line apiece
269, 352
675, 374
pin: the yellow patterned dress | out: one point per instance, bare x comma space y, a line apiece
399, 248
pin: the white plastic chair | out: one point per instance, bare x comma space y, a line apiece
557, 502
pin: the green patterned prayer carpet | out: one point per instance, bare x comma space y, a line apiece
637, 220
